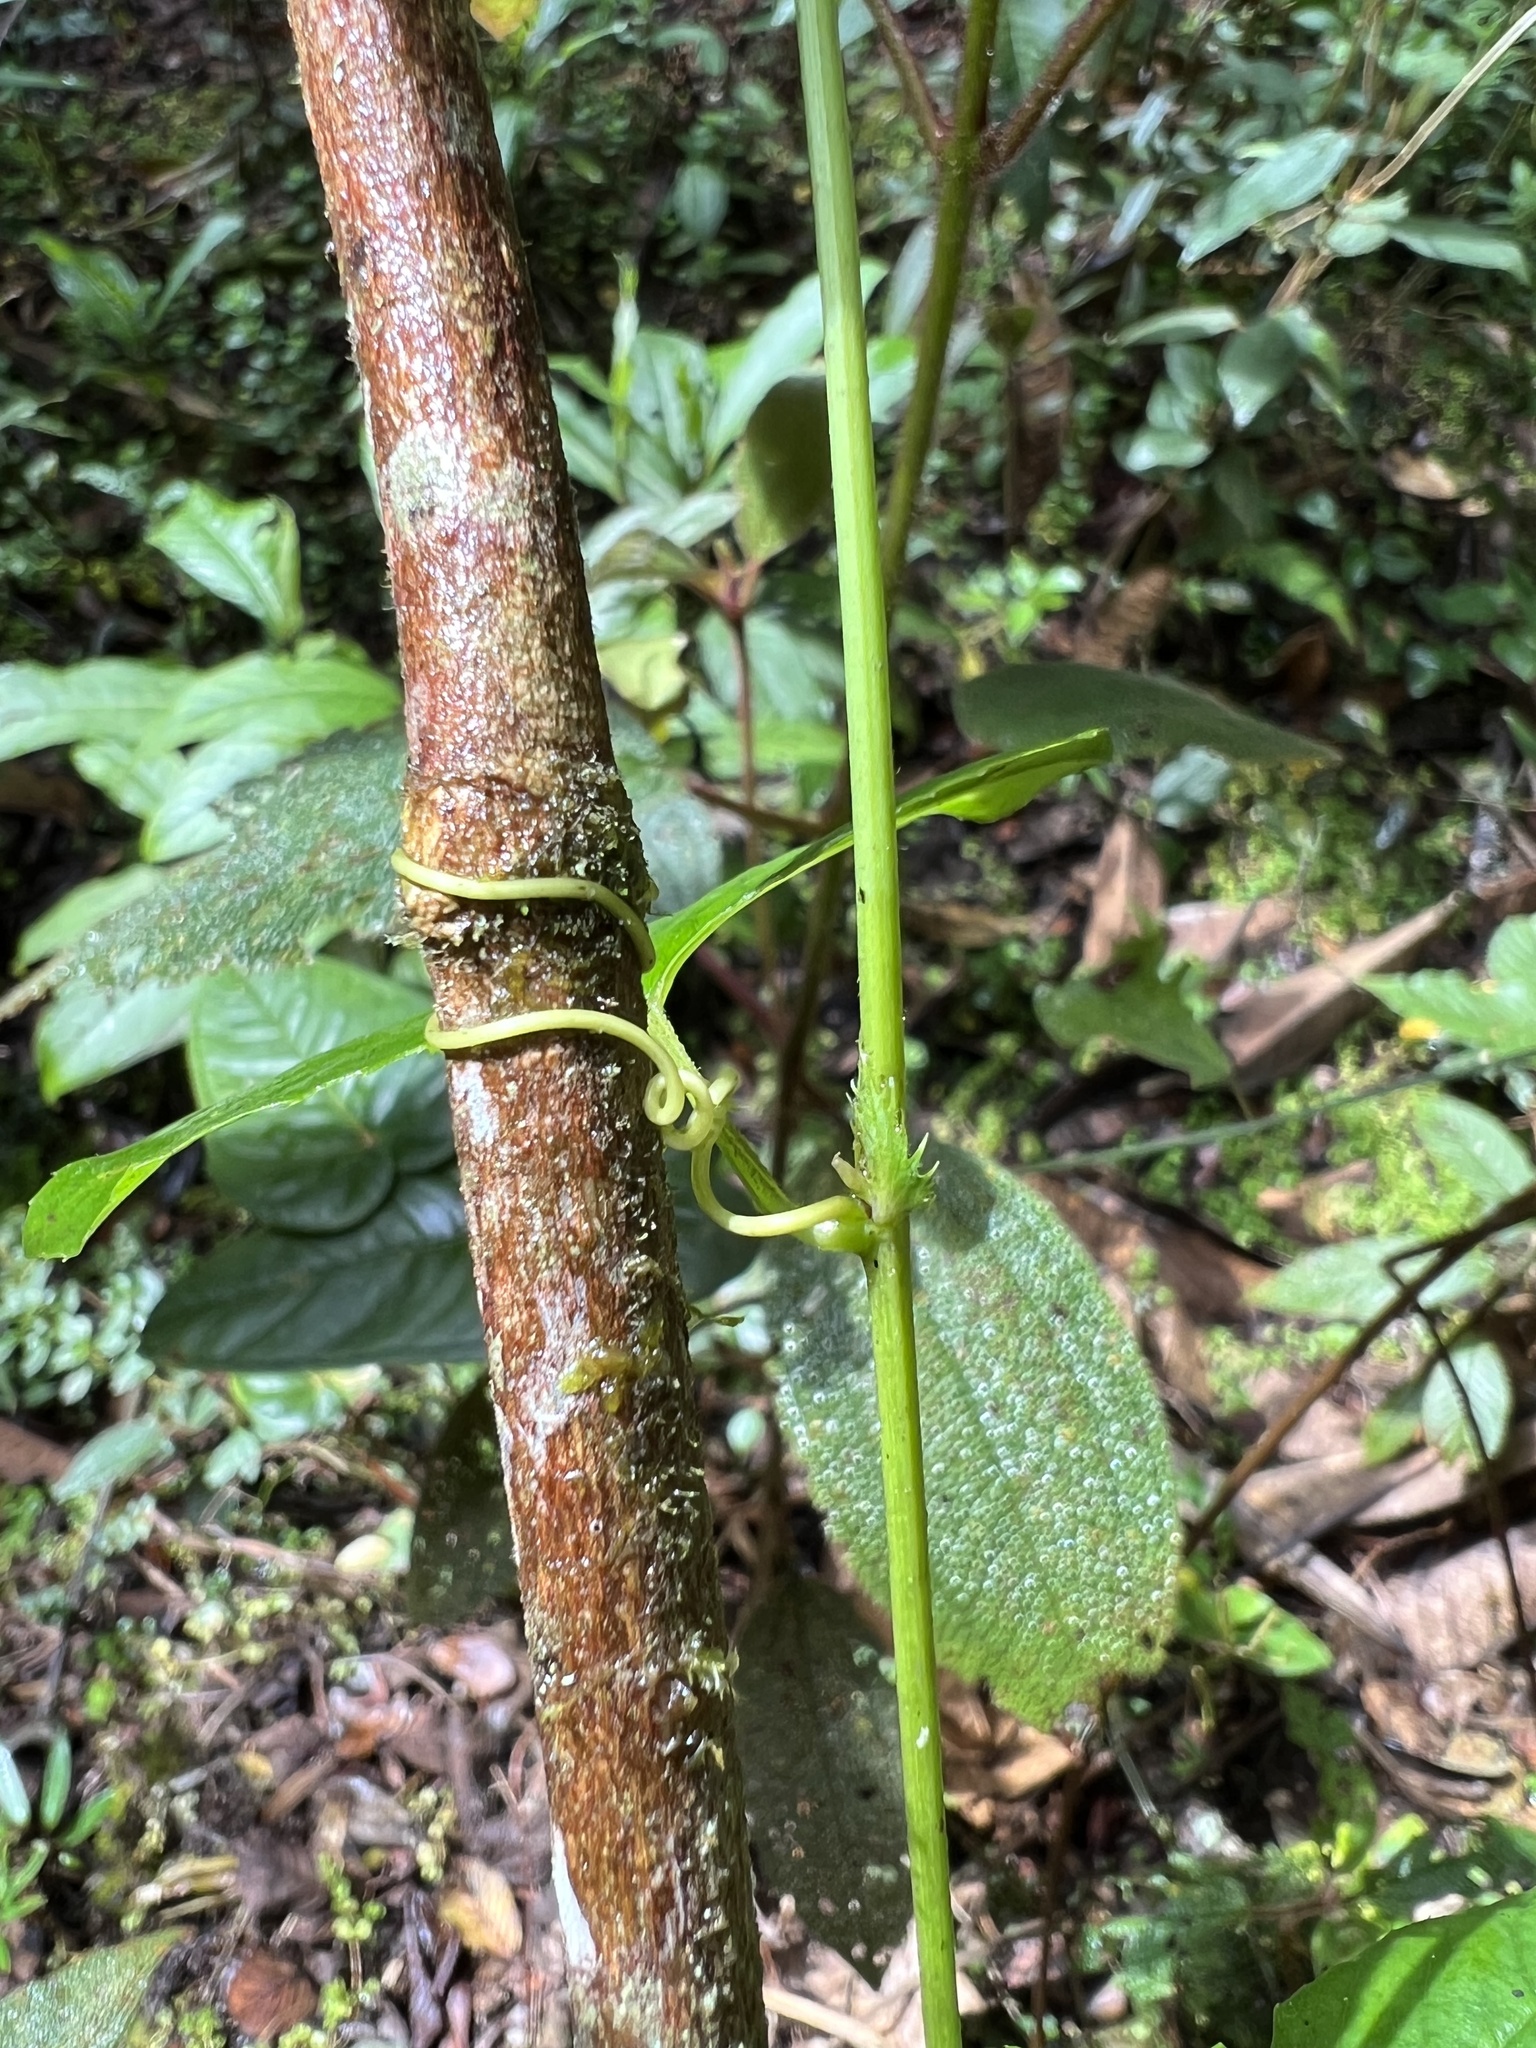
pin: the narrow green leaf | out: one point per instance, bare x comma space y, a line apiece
822, 1759
1048, 1471
119, 1452
246, 553
1298, 574
58, 1774
1184, 323
1296, 172
1038, 702
981, 793
1461, 241
62, 1215
1466, 1981
15, 1806
90, 2002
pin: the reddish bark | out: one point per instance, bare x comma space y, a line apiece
511, 773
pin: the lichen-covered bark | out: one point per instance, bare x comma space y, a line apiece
511, 773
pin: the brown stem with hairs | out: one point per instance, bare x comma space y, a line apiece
511, 773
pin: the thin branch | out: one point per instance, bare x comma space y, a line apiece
931, 124
1493, 1499
1003, 144
1519, 1208
1307, 269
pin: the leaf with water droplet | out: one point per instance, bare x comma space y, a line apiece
1050, 1489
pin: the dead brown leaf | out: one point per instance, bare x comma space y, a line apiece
25, 1456
1222, 934
1129, 890
1130, 617
1281, 1028
1421, 476
1457, 1613
478, 1905
476, 1660
266, 1994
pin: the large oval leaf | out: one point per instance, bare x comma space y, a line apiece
1044, 701
1050, 1491
397, 1291
1468, 1981
1295, 173
328, 1163
90, 2002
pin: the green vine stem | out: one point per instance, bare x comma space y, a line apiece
890, 1175
960, 164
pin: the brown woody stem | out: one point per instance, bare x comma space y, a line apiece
511, 773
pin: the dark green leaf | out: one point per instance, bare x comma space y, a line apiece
245, 553
1296, 172
1049, 1482
1467, 1981
63, 1214
783, 469
107, 302
822, 1758
396, 1291
90, 2002
326, 1163
1140, 1011
1032, 705
981, 793
461, 1545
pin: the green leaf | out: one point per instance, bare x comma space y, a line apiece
90, 2002
328, 1162
1300, 576
1459, 241
82, 908
822, 1758
1242, 1621
246, 553
1350, 1283
1296, 172
1255, 366
1142, 1011
104, 297
1049, 1482
115, 1454
783, 343
15, 1806
114, 698
1033, 704
1183, 323
307, 858
1484, 1380
87, 1032
396, 1291
1472, 1146
700, 199
981, 793
63, 1214
1496, 1015
783, 468
461, 1543
1153, 447
1466, 1981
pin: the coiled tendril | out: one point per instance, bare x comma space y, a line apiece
838, 1223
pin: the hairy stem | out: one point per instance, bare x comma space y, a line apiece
880, 1103
913, 84
511, 774
959, 172
1079, 37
